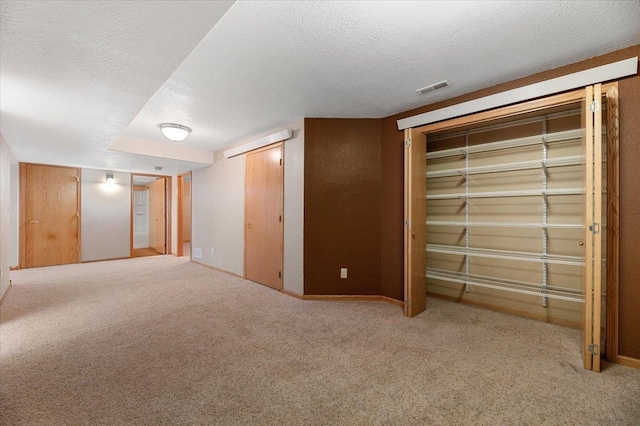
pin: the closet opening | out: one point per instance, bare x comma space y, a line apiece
515, 210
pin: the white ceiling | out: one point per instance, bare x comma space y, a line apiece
74, 76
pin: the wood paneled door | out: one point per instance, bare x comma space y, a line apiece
264, 184
50, 215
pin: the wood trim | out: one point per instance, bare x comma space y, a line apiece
14, 268
508, 311
132, 206
180, 219
5, 292
505, 112
224, 271
589, 236
354, 298
22, 235
613, 221
292, 293
597, 249
628, 361
79, 207
103, 260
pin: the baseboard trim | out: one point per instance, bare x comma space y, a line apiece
14, 268
5, 292
104, 260
224, 271
628, 361
353, 298
292, 293
564, 323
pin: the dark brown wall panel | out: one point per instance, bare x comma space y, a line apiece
392, 184
342, 206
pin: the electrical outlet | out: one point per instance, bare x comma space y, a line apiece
197, 253
343, 273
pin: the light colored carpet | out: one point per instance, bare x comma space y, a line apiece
159, 340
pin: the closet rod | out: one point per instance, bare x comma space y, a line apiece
506, 125
522, 287
506, 225
506, 255
500, 194
566, 135
573, 160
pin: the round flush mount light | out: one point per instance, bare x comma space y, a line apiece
175, 132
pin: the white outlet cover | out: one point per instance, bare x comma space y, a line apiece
197, 253
343, 272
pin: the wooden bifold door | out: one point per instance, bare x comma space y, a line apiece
516, 209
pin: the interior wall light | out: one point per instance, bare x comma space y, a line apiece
110, 179
175, 132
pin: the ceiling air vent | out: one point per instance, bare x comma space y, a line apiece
434, 86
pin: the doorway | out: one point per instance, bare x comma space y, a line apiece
184, 215
264, 239
49, 215
149, 215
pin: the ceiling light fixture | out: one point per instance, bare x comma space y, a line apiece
175, 132
434, 86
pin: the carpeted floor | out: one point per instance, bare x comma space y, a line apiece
159, 340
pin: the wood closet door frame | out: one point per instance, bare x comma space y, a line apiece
610, 91
23, 201
180, 209
276, 248
167, 199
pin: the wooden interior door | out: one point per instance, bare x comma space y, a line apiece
157, 216
593, 233
52, 215
264, 243
415, 214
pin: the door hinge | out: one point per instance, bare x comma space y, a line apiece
77, 214
594, 350
407, 143
77, 178
407, 302
595, 228
281, 161
407, 223
594, 106
279, 274
279, 218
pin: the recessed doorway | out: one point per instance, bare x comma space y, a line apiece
149, 207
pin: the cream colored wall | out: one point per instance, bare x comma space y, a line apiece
218, 210
106, 215
6, 160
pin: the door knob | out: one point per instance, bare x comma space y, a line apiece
413, 235
249, 225
581, 243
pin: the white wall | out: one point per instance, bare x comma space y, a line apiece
218, 210
105, 215
15, 214
294, 210
6, 160
218, 213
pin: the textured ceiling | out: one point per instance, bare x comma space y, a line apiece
76, 76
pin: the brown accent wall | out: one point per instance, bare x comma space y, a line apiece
629, 88
342, 174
